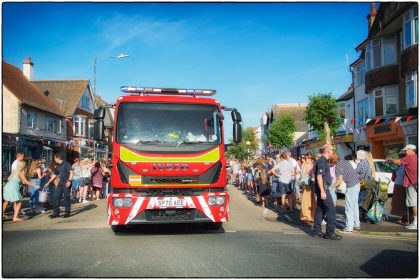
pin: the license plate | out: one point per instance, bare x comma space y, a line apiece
171, 202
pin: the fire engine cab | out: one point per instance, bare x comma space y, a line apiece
168, 157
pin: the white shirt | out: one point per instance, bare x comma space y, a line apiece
14, 165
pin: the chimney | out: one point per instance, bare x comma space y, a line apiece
28, 69
372, 15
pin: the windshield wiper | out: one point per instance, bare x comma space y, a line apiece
190, 142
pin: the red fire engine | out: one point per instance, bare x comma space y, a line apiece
168, 157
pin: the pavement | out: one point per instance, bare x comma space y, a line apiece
389, 226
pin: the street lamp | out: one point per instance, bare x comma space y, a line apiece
94, 67
248, 150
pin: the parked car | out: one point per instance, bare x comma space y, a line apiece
383, 173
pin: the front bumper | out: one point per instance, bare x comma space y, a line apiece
145, 210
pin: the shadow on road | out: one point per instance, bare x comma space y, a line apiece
167, 229
399, 264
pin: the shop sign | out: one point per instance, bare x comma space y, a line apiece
382, 129
410, 129
8, 140
56, 144
30, 142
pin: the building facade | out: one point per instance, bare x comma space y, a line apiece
385, 80
31, 122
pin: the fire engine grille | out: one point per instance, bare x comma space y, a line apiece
170, 215
169, 192
149, 180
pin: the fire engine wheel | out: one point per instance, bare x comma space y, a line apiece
118, 228
213, 226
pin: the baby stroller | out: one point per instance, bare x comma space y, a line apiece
372, 199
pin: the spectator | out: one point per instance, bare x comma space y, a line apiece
11, 191
398, 206
284, 171
65, 176
325, 206
333, 188
76, 178
85, 167
275, 184
410, 163
308, 204
295, 178
106, 176
346, 173
363, 169
96, 180
261, 180
20, 156
35, 175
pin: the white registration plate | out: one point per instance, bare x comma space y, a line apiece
171, 202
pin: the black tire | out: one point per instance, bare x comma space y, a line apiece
213, 226
117, 228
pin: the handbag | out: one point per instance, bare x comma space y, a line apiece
304, 180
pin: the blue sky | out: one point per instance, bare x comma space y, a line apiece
254, 54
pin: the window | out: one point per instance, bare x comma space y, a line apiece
385, 101
380, 52
371, 104
31, 119
85, 102
53, 124
90, 135
411, 90
79, 125
359, 74
411, 28
362, 112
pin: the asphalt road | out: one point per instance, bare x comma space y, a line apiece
253, 244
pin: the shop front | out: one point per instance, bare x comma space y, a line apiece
411, 132
8, 152
385, 139
31, 146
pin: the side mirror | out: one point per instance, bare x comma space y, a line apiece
236, 116
99, 113
237, 132
98, 130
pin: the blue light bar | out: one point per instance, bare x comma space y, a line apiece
170, 91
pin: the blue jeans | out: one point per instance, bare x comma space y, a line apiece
33, 200
334, 194
352, 207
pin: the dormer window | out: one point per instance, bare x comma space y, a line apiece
85, 102
380, 52
411, 28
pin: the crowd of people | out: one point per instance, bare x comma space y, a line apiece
85, 180
279, 180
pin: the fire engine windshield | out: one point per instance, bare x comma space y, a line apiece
168, 125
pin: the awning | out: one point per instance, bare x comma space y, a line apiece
47, 148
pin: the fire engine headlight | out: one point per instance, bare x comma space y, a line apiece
216, 200
122, 202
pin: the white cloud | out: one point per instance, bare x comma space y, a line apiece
120, 30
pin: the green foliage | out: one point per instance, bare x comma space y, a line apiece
242, 151
281, 132
322, 107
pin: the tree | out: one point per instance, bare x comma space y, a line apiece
281, 132
242, 151
321, 114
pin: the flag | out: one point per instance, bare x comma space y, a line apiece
357, 131
377, 120
368, 120
351, 129
387, 120
345, 121
409, 118
397, 119
352, 121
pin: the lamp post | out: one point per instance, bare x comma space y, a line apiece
248, 150
94, 67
